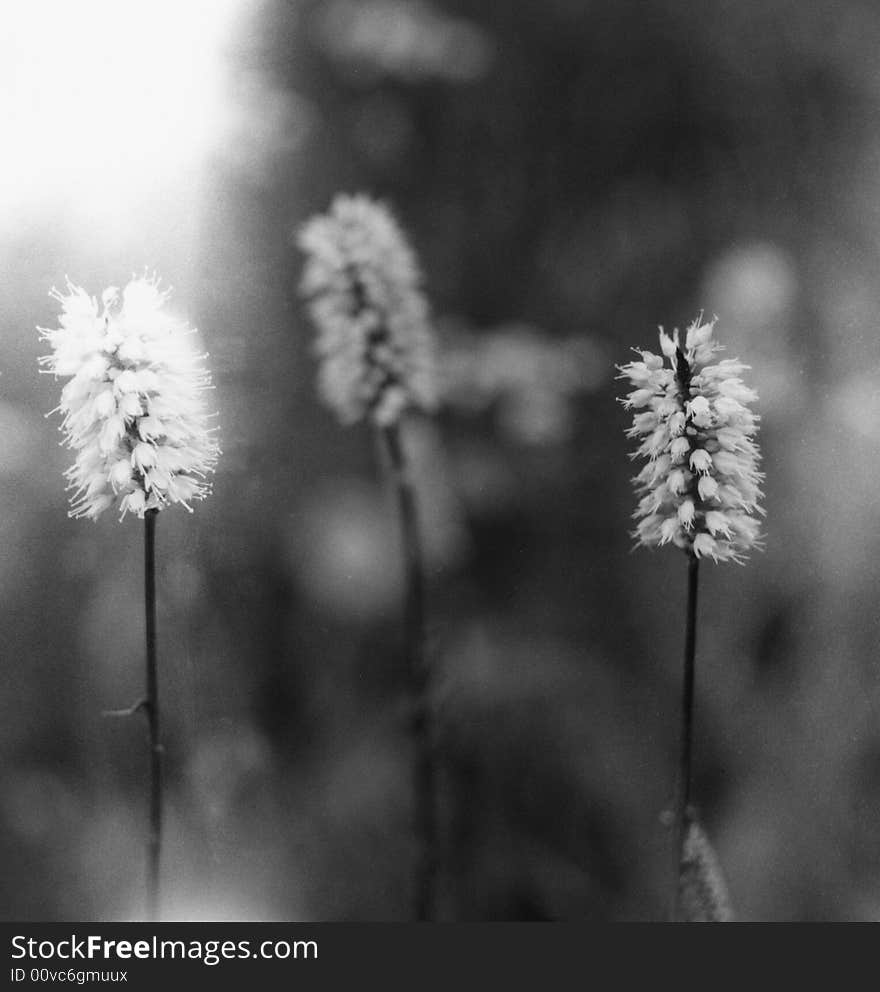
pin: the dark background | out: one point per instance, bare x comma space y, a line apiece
572, 174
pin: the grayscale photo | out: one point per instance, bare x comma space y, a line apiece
439, 471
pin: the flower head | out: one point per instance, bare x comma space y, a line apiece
700, 486
703, 891
133, 403
364, 291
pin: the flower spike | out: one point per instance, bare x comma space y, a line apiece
363, 287
133, 403
699, 488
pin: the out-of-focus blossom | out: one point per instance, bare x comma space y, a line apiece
755, 286
344, 545
530, 380
701, 485
133, 405
363, 286
341, 550
406, 39
704, 897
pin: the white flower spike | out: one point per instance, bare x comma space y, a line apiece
700, 489
133, 405
363, 286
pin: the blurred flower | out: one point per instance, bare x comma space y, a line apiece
530, 380
340, 547
133, 406
407, 39
755, 286
700, 487
364, 291
704, 897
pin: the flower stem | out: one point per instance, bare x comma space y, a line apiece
419, 673
154, 848
683, 790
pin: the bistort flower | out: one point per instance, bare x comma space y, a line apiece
700, 485
363, 286
703, 891
133, 405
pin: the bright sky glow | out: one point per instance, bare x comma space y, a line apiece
105, 101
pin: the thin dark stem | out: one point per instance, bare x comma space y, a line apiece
154, 848
414, 635
683, 790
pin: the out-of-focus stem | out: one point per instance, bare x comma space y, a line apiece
419, 673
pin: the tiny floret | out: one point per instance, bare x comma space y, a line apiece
364, 292
133, 404
699, 488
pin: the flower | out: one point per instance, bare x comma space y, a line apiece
703, 890
700, 486
133, 405
363, 287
